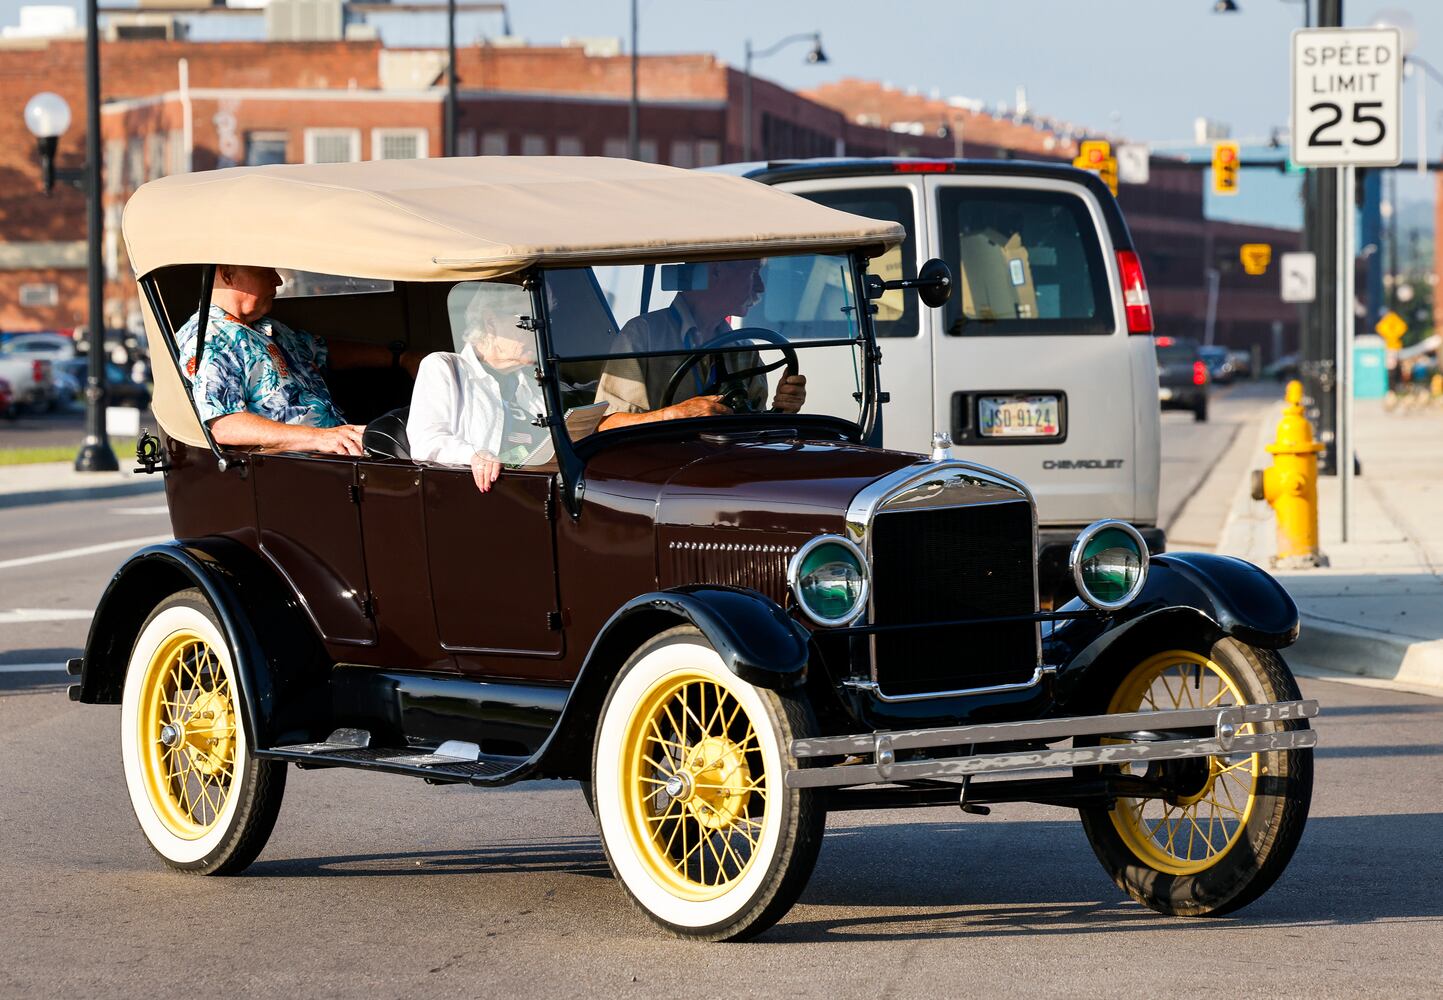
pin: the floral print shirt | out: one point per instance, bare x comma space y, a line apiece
265, 368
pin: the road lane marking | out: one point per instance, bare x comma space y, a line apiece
88, 550
160, 509
17, 616
31, 668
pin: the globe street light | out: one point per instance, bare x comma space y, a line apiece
815, 56
47, 116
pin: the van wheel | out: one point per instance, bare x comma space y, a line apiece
204, 802
688, 771
1219, 844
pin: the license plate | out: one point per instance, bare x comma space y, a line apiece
1018, 416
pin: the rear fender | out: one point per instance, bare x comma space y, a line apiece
281, 668
1190, 600
754, 637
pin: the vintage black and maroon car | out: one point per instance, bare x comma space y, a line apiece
724, 626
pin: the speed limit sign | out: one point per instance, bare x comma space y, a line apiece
1347, 95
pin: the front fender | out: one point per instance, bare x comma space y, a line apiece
1189, 597
279, 663
754, 637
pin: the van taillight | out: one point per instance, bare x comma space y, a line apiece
1199, 373
41, 370
1134, 293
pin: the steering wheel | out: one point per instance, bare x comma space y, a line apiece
732, 386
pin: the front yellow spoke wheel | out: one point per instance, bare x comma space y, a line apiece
186, 734
694, 786
1188, 833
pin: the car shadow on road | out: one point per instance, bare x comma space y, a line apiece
564, 855
1348, 870
47, 678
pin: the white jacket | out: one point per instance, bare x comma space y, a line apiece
457, 410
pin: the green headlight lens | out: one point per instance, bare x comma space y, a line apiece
830, 581
1111, 564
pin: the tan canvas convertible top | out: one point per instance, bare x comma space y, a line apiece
460, 219
472, 217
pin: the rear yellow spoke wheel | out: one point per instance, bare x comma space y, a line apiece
1183, 835
204, 802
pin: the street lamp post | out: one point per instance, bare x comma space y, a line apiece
449, 126
48, 116
815, 56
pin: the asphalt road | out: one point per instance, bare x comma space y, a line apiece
381, 886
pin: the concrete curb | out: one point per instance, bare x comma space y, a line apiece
1333, 650
78, 493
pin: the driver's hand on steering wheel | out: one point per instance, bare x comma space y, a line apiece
698, 406
791, 394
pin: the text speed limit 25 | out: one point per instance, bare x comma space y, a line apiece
1346, 97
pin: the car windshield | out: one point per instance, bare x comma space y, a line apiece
638, 338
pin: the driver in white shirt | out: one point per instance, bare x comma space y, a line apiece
475, 408
633, 387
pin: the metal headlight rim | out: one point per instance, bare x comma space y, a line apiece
1074, 563
794, 571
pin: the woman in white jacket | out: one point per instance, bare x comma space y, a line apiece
476, 407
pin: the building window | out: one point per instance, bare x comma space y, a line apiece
683, 153
494, 144
533, 145
708, 152
615, 146
333, 145
135, 162
114, 166
568, 145
156, 155
39, 295
646, 151
179, 155
399, 143
466, 143
265, 147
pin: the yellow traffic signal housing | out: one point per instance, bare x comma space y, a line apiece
1255, 257
1096, 155
1227, 162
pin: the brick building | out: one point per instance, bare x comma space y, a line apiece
172, 105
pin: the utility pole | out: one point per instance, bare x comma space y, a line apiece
633, 118
449, 131
1319, 354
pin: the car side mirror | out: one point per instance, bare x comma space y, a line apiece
933, 283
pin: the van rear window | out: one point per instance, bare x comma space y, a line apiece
1027, 262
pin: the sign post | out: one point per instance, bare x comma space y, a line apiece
1347, 96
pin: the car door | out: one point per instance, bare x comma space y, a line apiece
493, 571
310, 528
907, 419
1037, 317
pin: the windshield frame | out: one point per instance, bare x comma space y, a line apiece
572, 456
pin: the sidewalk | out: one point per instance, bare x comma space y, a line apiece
57, 482
1377, 609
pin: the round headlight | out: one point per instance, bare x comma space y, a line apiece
1109, 564
828, 576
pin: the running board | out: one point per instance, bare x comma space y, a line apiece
454, 761
1148, 732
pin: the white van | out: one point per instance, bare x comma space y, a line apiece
1042, 363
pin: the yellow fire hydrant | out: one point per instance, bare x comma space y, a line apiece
1290, 485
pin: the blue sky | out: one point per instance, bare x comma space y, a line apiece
1144, 68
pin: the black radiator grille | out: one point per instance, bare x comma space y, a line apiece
949, 564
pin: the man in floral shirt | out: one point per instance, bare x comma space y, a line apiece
260, 383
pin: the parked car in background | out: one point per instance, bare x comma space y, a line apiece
1219, 363
55, 346
1284, 368
7, 401
1242, 362
121, 387
31, 379
1042, 364
1182, 377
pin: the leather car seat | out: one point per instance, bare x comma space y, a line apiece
385, 437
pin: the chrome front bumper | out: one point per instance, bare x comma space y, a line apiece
1128, 729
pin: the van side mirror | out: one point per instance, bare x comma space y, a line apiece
933, 283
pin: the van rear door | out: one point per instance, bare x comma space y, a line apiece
1032, 366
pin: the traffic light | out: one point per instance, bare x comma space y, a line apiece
1226, 164
1096, 155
